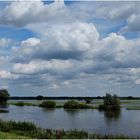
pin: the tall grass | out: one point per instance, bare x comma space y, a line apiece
30, 130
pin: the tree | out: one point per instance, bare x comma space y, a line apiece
39, 97
116, 102
4, 96
110, 102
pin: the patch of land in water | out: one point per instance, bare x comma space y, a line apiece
128, 104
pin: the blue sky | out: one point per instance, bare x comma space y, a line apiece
64, 48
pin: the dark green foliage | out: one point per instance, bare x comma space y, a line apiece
110, 102
39, 97
88, 101
48, 104
30, 130
72, 104
4, 96
68, 98
130, 97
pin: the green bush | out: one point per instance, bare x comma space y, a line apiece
72, 104
48, 104
110, 102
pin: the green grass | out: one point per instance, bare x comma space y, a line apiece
6, 135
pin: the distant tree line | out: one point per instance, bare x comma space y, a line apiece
40, 97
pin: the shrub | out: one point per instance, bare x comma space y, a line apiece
72, 104
48, 104
110, 102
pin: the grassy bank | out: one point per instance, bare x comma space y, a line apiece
12, 129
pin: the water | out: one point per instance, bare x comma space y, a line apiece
125, 122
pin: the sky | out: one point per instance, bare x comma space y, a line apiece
70, 48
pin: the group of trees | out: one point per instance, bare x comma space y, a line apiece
110, 102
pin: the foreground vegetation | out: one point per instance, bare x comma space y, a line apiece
12, 129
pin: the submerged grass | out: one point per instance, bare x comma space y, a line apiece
12, 129
22, 103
